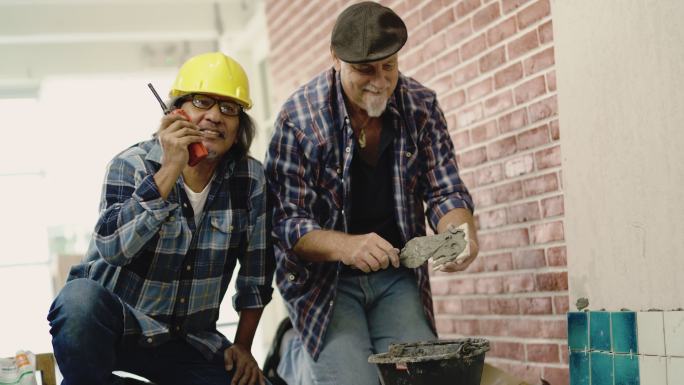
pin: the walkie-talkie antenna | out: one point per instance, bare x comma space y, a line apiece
156, 95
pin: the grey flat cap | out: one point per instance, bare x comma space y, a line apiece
366, 32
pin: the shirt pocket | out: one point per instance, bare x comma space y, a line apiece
228, 228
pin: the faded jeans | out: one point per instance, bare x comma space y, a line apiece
370, 312
87, 324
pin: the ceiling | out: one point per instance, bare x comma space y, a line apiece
40, 38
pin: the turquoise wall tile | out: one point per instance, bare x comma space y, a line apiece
579, 368
624, 332
578, 331
626, 369
599, 330
601, 368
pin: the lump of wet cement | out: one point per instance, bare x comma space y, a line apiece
462, 348
448, 246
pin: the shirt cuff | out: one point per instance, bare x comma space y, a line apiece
297, 228
252, 298
149, 197
457, 201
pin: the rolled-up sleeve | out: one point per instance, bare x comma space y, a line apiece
444, 188
131, 211
289, 179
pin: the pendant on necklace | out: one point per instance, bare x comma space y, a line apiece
362, 138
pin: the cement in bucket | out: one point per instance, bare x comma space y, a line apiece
441, 362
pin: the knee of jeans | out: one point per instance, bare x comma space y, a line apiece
79, 300
293, 367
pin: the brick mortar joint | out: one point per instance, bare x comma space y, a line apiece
495, 92
503, 91
498, 273
501, 161
526, 225
512, 133
488, 49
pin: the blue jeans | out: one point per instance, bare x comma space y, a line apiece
371, 311
87, 325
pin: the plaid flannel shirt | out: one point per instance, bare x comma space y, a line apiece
308, 169
170, 273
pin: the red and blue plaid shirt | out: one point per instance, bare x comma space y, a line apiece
308, 168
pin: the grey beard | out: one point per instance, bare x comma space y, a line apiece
374, 110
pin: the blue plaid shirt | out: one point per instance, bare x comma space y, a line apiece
169, 272
308, 167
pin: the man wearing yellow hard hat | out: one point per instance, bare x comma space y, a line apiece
171, 230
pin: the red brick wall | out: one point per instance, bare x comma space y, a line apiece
492, 65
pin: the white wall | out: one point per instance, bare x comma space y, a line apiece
51, 171
621, 104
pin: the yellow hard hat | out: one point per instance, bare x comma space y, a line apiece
213, 73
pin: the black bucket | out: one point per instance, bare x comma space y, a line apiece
441, 362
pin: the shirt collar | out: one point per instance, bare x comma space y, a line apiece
342, 116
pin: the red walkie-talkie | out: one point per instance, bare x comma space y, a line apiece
196, 150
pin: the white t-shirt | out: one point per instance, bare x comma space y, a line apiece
197, 200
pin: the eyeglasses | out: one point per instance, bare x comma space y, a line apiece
206, 102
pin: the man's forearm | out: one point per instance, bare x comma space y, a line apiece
320, 246
247, 325
457, 217
166, 179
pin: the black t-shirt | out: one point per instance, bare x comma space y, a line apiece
372, 195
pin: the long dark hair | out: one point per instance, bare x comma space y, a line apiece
246, 132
